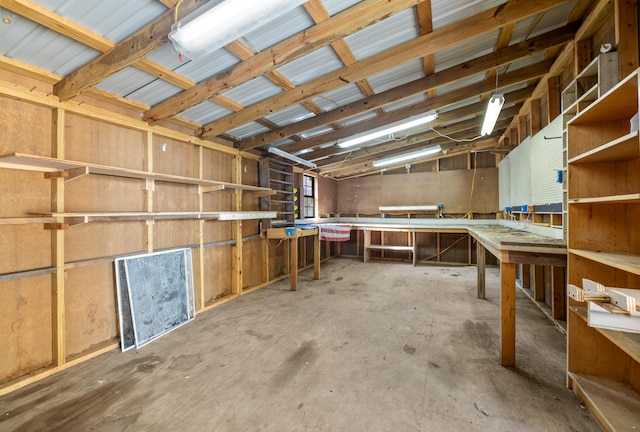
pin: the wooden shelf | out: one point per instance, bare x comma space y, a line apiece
624, 261
615, 199
74, 218
391, 248
623, 148
618, 103
614, 404
77, 169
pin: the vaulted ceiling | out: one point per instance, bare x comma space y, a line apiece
325, 71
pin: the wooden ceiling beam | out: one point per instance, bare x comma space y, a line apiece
446, 126
419, 47
438, 102
338, 161
448, 149
479, 65
351, 20
134, 48
425, 23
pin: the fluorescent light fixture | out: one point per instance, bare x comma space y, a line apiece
219, 22
491, 116
405, 157
294, 158
388, 130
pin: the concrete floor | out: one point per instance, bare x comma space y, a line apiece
368, 347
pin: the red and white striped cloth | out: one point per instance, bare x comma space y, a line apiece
335, 232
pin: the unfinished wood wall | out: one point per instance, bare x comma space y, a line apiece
363, 196
51, 318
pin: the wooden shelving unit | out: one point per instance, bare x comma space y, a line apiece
70, 170
604, 245
278, 177
369, 246
589, 85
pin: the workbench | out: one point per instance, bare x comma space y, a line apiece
512, 247
291, 235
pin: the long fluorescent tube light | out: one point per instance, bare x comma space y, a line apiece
407, 156
219, 22
284, 154
493, 111
413, 122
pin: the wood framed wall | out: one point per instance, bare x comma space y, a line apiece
57, 286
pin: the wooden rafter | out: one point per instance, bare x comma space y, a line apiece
329, 31
425, 22
417, 48
447, 76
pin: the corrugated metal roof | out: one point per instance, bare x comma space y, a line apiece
311, 66
125, 82
30, 43
205, 112
315, 132
336, 6
447, 12
154, 92
397, 76
402, 103
358, 118
113, 19
384, 35
248, 129
198, 70
253, 91
338, 97
291, 114
468, 50
278, 30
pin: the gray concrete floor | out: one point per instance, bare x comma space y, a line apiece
368, 347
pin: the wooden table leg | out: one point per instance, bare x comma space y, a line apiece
508, 313
316, 257
293, 266
558, 293
480, 256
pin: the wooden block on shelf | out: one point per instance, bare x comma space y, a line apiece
624, 298
598, 316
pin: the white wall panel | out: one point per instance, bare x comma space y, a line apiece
546, 157
504, 182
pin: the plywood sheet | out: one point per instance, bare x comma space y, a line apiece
24, 247
100, 239
360, 195
174, 157
90, 306
218, 231
252, 263
174, 197
217, 165
168, 234
105, 193
89, 140
24, 192
25, 318
327, 196
217, 273
15, 137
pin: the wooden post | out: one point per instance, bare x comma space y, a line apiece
58, 346
553, 102
367, 242
481, 257
316, 256
508, 313
559, 293
200, 252
526, 275
538, 282
535, 117
293, 266
626, 29
265, 259
237, 228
